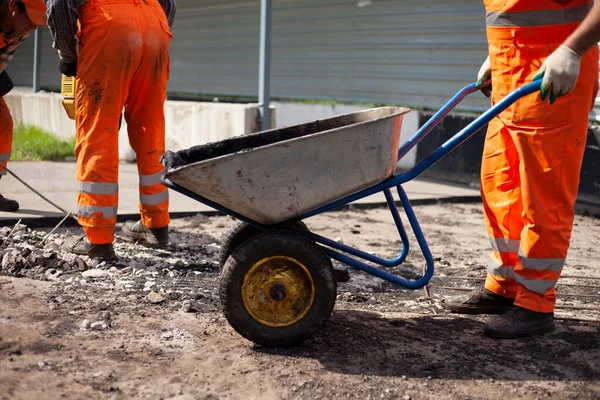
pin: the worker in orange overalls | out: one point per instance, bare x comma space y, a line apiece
532, 156
18, 18
121, 60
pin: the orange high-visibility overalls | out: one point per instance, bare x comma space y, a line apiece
6, 121
533, 151
123, 62
6, 134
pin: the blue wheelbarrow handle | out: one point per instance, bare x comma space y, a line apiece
466, 132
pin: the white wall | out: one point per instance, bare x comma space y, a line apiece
191, 123
187, 123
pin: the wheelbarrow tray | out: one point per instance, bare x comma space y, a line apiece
275, 175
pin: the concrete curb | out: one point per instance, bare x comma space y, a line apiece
52, 221
582, 207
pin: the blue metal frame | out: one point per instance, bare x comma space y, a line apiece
339, 251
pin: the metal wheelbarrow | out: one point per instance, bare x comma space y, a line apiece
277, 283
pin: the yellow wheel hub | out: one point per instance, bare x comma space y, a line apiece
278, 291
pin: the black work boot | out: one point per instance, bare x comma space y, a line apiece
519, 322
481, 301
81, 246
8, 205
135, 231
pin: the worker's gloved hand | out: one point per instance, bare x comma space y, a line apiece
560, 72
68, 68
6, 84
485, 72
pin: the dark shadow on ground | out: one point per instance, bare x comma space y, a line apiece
358, 342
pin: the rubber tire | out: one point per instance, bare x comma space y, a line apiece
243, 231
268, 244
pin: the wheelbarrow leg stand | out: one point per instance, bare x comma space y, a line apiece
416, 228
356, 258
412, 218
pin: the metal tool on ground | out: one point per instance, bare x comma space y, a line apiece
277, 284
38, 193
13, 229
62, 221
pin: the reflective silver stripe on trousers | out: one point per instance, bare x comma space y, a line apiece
535, 285
538, 17
154, 199
539, 286
541, 264
505, 245
504, 271
97, 187
149, 180
87, 211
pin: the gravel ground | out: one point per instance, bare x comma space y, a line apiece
150, 325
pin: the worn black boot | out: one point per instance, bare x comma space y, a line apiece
135, 231
519, 322
481, 301
81, 246
8, 205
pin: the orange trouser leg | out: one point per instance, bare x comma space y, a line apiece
549, 141
123, 62
6, 135
144, 113
109, 55
550, 168
501, 195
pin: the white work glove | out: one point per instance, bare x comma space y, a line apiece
560, 72
485, 72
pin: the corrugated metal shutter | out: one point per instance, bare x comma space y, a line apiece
415, 53
20, 68
409, 52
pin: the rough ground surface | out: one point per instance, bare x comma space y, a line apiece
150, 326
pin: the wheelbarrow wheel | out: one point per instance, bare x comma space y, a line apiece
243, 231
277, 289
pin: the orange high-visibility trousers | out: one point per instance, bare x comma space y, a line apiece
123, 62
6, 134
533, 151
